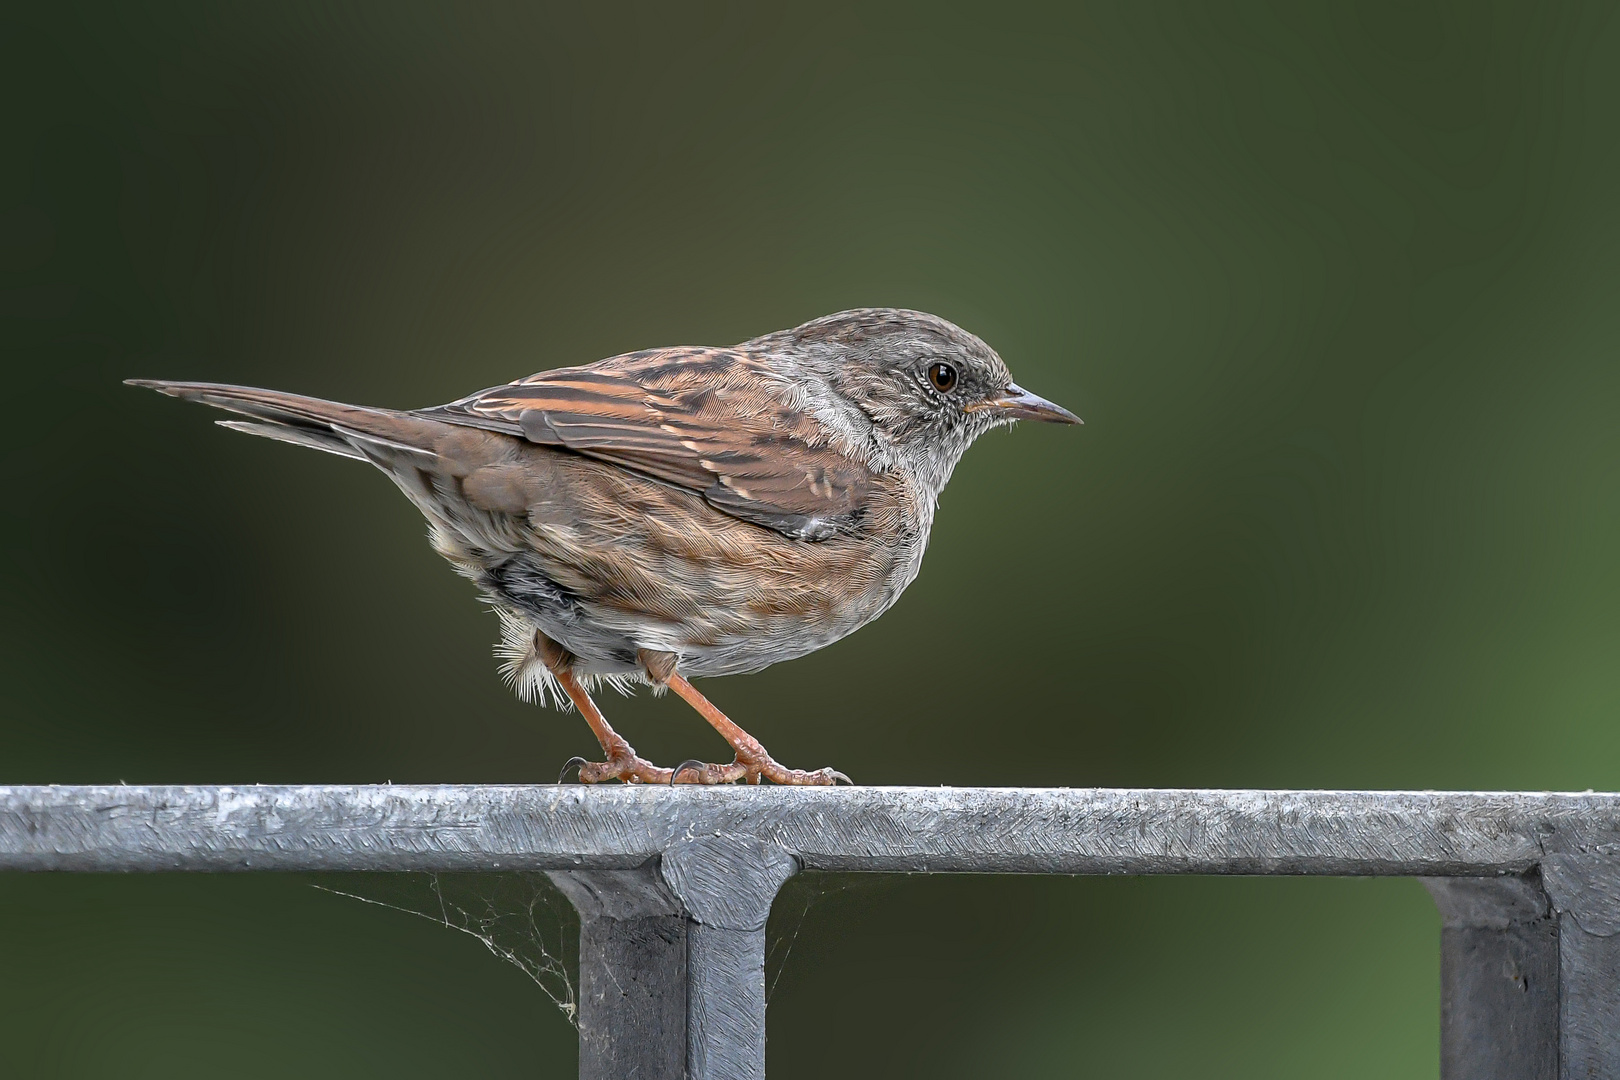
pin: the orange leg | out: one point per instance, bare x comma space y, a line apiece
752, 760
623, 763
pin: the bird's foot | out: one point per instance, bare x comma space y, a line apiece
628, 768
752, 770
704, 772
633, 769
758, 765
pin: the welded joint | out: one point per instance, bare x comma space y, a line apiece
726, 881
1586, 887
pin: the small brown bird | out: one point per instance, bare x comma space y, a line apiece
706, 511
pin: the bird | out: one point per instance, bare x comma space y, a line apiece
680, 512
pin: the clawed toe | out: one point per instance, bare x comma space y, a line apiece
767, 768
626, 768
692, 765
694, 771
634, 769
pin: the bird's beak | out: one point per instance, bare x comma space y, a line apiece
1016, 403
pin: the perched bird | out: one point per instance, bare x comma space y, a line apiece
682, 511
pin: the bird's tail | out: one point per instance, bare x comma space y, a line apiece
356, 431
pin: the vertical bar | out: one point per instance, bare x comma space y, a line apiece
632, 974
672, 961
726, 885
726, 1009
1589, 1026
1499, 979
1584, 887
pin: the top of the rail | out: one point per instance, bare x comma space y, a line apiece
897, 829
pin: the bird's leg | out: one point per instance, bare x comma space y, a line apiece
623, 763
752, 762
659, 667
751, 756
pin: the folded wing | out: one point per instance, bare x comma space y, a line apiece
709, 420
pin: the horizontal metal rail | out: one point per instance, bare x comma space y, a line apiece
976, 830
674, 885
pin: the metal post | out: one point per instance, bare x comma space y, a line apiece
1584, 890
632, 973
1498, 979
1530, 972
672, 961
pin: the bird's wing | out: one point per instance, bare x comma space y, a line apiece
709, 420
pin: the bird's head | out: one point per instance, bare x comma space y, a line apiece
928, 387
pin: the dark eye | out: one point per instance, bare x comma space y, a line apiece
943, 376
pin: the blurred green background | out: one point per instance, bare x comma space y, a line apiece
1333, 285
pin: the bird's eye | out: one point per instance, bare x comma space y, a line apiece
943, 376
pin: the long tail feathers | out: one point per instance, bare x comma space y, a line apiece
298, 436
353, 431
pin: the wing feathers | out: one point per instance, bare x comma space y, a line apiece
709, 420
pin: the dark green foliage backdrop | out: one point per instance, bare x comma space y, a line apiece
1333, 286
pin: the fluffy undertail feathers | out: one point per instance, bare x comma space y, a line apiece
527, 675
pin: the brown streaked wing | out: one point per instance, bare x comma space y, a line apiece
708, 420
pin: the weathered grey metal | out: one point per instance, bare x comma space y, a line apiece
726, 884
632, 973
673, 885
1498, 979
672, 961
1584, 890
1530, 972
982, 830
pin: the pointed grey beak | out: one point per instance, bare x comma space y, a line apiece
1019, 404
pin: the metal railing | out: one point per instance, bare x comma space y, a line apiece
673, 885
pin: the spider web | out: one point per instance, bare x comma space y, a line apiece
791, 914
523, 919
519, 918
